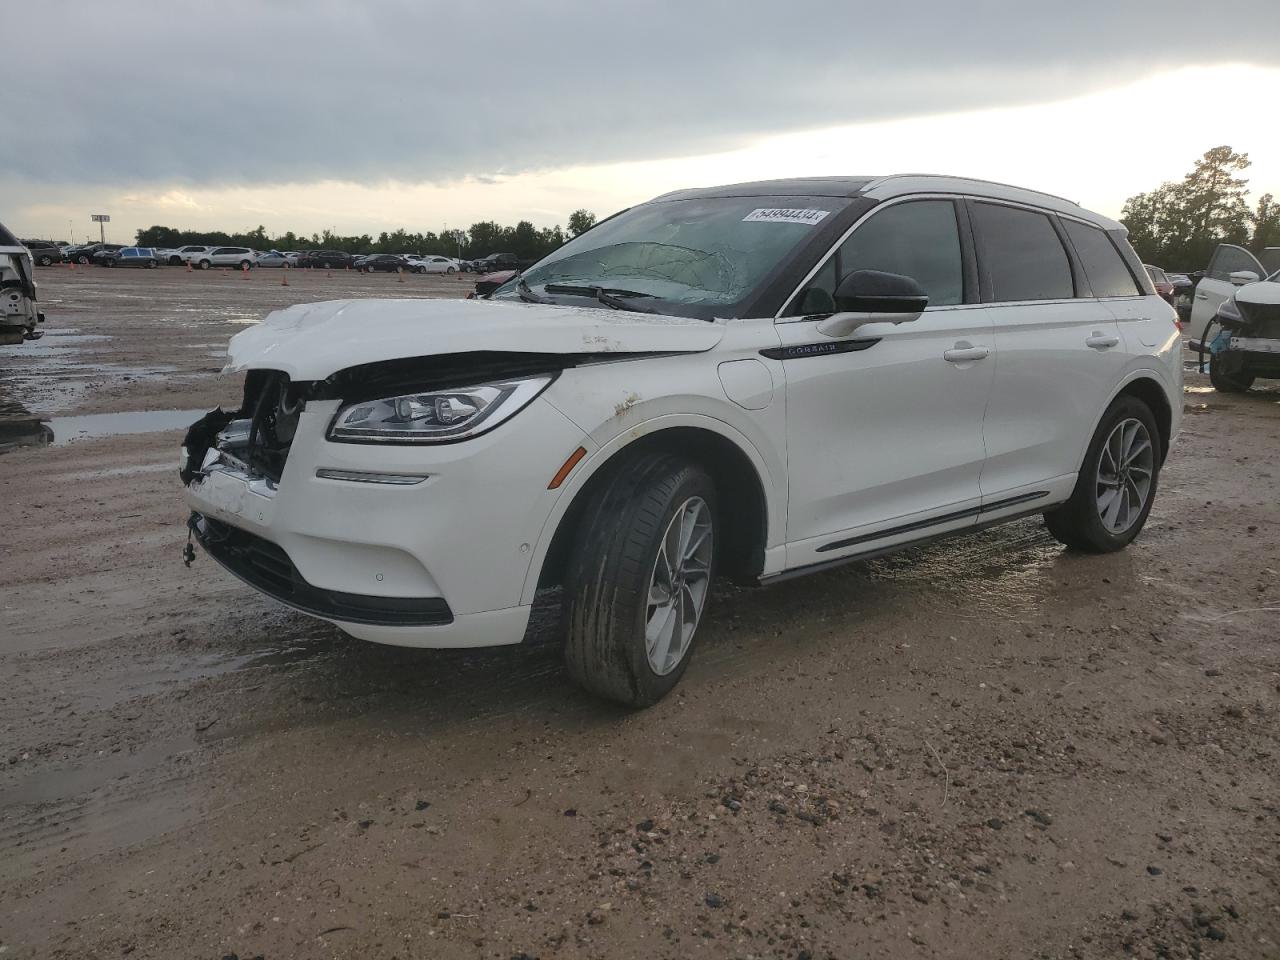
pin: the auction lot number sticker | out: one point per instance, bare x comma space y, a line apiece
785, 215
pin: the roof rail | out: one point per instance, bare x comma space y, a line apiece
942, 176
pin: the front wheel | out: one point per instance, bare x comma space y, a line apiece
44, 261
83, 261
152, 264
638, 583
452, 270
205, 264
1225, 379
1116, 485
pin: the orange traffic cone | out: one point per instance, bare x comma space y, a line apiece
188, 266
244, 270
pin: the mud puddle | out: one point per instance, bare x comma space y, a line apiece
92, 426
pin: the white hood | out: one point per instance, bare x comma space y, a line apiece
313, 340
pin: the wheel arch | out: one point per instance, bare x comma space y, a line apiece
740, 485
1151, 392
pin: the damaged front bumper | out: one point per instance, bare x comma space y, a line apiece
442, 561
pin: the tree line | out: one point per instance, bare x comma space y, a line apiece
481, 239
1178, 224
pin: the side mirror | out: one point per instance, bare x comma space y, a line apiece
867, 296
1240, 277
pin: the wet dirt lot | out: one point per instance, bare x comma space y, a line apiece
983, 748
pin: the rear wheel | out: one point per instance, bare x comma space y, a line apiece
1116, 485
44, 260
452, 270
205, 264
640, 577
1228, 377
82, 260
152, 264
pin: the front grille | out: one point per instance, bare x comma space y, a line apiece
1263, 319
266, 566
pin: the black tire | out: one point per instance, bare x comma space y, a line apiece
205, 264
420, 270
152, 264
1228, 380
44, 261
1078, 522
607, 584
82, 260
452, 270
325, 265
175, 261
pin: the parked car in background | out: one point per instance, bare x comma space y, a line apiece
188, 253
1242, 340
131, 257
668, 397
20, 316
436, 264
241, 258
1164, 288
73, 253
326, 259
44, 252
1230, 267
105, 250
273, 258
85, 252
501, 261
487, 283
383, 263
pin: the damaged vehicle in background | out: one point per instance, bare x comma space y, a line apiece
1242, 338
756, 381
20, 318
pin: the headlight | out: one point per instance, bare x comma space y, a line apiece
437, 416
1229, 310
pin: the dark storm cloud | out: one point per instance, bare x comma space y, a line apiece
227, 92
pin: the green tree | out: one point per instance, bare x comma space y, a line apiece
1266, 224
580, 221
1179, 223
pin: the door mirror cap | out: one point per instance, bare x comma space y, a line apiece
1240, 277
868, 296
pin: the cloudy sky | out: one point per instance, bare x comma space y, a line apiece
365, 115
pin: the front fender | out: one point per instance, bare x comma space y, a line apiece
602, 448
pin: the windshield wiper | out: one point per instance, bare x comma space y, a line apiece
525, 293
617, 299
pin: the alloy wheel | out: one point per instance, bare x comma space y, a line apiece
679, 585
1125, 468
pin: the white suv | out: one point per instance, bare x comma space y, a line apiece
757, 381
242, 258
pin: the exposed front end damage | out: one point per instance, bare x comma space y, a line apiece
416, 544
20, 318
1242, 341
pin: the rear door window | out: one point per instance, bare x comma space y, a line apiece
1021, 253
1108, 276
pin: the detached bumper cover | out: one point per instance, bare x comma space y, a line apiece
266, 567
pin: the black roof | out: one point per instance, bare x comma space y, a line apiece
795, 187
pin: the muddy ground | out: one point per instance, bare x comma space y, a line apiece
985, 748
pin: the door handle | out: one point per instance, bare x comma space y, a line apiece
964, 352
1101, 341
1202, 296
